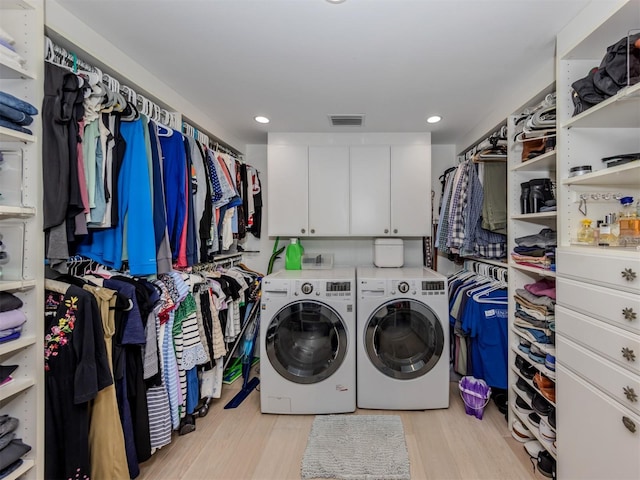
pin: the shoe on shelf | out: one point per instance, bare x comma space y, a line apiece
520, 432
540, 405
534, 419
524, 388
523, 407
546, 464
533, 448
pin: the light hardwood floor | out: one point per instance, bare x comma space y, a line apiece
242, 443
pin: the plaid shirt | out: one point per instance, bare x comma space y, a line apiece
443, 222
456, 233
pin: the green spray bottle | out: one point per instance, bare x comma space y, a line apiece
293, 255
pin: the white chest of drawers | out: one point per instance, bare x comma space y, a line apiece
598, 347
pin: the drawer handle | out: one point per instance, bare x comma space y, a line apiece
628, 274
628, 354
630, 424
630, 393
629, 314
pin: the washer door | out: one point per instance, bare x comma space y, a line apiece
306, 342
404, 339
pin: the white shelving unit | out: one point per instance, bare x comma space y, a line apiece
596, 375
21, 227
520, 225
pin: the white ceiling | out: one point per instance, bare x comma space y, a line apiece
297, 61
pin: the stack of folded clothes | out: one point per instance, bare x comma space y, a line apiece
536, 250
8, 53
11, 317
15, 113
11, 448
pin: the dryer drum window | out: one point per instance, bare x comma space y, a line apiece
404, 339
306, 342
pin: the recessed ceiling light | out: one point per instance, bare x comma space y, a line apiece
335, 1
260, 119
434, 119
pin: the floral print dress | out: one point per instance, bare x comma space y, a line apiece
76, 368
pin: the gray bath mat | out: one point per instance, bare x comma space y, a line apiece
355, 447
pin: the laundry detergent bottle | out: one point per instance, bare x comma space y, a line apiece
293, 255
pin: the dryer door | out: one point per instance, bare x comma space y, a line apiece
404, 339
306, 342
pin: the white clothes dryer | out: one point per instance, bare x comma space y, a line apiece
307, 342
403, 339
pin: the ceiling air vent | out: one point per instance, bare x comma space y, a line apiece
346, 120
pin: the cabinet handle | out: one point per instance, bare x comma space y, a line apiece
628, 354
313, 230
630, 393
302, 230
386, 230
630, 424
395, 230
628, 274
629, 314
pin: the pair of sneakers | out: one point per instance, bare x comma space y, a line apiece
541, 458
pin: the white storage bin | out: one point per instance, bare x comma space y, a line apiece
388, 252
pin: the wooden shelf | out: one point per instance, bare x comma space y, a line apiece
529, 382
15, 345
535, 216
16, 386
535, 431
27, 465
20, 212
620, 111
9, 72
542, 346
539, 271
627, 175
543, 162
8, 135
16, 5
14, 285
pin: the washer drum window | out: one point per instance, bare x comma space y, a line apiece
306, 342
404, 339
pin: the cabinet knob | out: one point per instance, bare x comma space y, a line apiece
630, 393
628, 274
302, 230
630, 424
386, 230
395, 230
629, 314
313, 230
628, 354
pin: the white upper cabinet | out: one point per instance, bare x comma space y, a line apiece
337, 186
328, 191
370, 190
410, 192
288, 190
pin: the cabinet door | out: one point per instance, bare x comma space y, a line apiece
369, 179
328, 191
597, 437
411, 190
288, 190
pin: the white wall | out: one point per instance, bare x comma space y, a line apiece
346, 251
442, 157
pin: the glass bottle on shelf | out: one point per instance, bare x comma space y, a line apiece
629, 223
586, 234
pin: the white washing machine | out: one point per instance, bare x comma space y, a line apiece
307, 342
403, 339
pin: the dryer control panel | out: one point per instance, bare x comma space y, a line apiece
309, 288
404, 287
